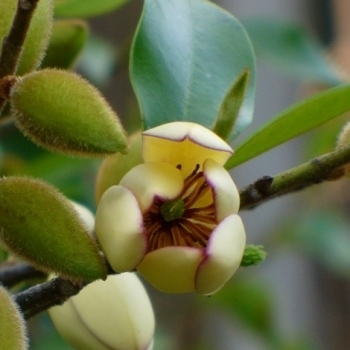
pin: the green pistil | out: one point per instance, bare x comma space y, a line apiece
172, 210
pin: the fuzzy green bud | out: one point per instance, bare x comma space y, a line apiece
38, 34
67, 41
40, 225
12, 325
62, 112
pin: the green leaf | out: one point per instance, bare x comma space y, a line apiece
41, 226
12, 326
294, 121
67, 41
84, 8
186, 55
288, 47
230, 107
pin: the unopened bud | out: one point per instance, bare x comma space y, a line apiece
253, 255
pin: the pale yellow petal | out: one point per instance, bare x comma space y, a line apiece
224, 254
226, 195
105, 315
119, 229
171, 269
184, 143
151, 180
70, 327
86, 216
118, 311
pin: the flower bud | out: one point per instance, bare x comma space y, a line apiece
253, 255
37, 36
66, 43
112, 314
40, 225
117, 165
12, 326
61, 111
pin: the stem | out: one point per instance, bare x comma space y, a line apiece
10, 275
327, 167
43, 296
13, 42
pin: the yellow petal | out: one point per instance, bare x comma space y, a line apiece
226, 195
119, 312
111, 314
119, 229
224, 254
69, 325
184, 143
147, 181
171, 269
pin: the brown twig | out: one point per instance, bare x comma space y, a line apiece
327, 167
13, 42
10, 275
43, 296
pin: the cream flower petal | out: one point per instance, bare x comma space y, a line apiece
86, 216
171, 269
126, 320
226, 195
119, 228
151, 180
184, 143
224, 254
79, 336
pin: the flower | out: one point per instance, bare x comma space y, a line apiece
174, 217
111, 314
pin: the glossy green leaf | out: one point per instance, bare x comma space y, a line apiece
13, 333
185, 58
288, 47
294, 121
67, 41
230, 106
84, 8
41, 226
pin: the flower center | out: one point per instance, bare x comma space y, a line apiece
172, 210
185, 221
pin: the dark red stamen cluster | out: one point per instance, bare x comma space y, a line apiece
196, 224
